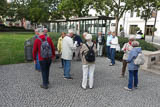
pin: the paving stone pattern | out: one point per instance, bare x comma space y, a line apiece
19, 87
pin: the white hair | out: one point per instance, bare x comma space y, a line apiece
85, 33
70, 31
36, 30
132, 37
40, 30
45, 29
88, 37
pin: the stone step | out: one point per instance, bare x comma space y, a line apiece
152, 70
156, 67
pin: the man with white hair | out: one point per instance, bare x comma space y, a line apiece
100, 42
84, 35
67, 53
45, 30
78, 42
43, 46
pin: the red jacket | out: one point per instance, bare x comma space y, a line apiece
37, 47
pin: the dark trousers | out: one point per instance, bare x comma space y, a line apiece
45, 65
133, 74
113, 53
124, 67
108, 52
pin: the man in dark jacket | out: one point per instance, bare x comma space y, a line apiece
78, 42
44, 62
100, 42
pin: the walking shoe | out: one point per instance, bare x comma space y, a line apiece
68, 78
83, 88
136, 87
128, 89
122, 76
45, 87
91, 88
111, 64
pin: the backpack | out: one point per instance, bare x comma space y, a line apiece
139, 59
46, 51
90, 56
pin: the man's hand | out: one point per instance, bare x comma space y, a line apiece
35, 62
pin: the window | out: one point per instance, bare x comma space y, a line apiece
149, 30
132, 29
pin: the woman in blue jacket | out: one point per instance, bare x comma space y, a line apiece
132, 68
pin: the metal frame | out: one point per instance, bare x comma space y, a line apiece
85, 24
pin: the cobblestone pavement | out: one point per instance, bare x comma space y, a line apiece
19, 87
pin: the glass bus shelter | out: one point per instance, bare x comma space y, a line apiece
92, 25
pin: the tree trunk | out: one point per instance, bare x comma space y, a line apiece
145, 29
154, 25
116, 29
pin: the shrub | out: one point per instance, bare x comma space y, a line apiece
143, 44
14, 29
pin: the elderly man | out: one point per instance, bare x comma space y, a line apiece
67, 53
43, 46
45, 30
78, 42
84, 36
100, 42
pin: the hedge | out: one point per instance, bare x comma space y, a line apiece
14, 29
143, 44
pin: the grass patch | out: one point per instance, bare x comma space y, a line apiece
12, 47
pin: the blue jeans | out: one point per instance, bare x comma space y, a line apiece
133, 74
67, 66
113, 53
108, 52
37, 65
45, 65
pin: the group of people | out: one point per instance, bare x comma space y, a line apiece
86, 51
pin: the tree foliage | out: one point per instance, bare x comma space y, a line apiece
3, 8
77, 8
115, 8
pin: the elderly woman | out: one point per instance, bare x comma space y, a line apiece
59, 46
87, 67
132, 68
126, 48
114, 43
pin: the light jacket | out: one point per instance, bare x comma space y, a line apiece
83, 52
59, 45
109, 38
67, 48
132, 55
126, 48
114, 42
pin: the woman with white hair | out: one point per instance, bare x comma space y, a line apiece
126, 48
132, 67
88, 67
